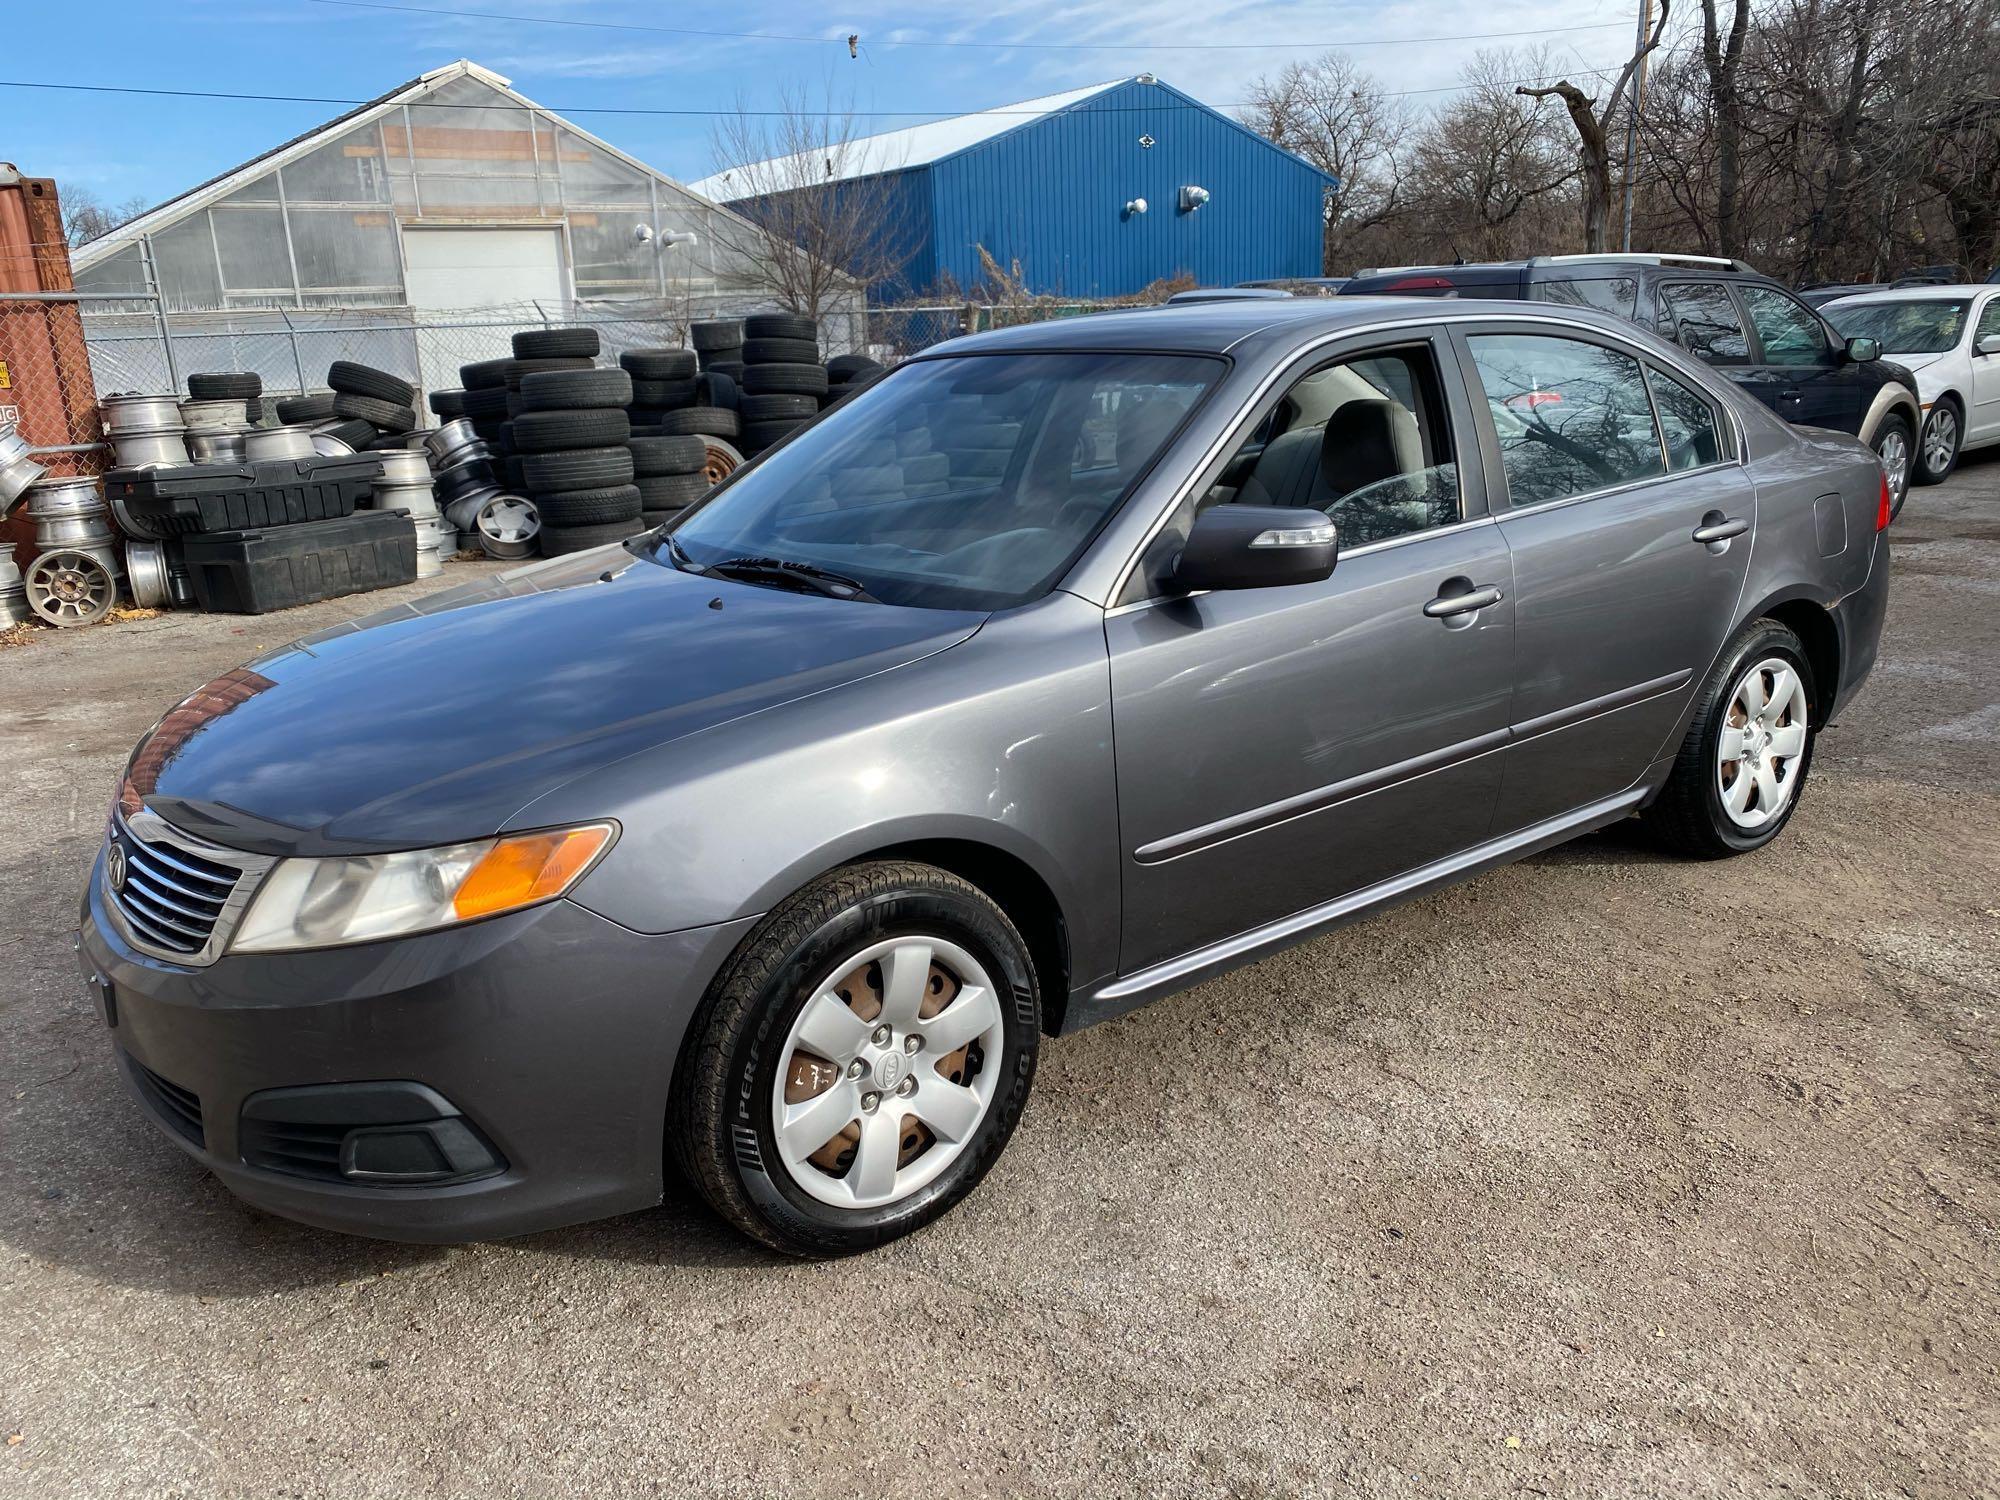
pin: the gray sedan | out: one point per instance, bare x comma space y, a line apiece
1059, 670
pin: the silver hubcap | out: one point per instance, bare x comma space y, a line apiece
1940, 440
1895, 455
1763, 743
887, 1072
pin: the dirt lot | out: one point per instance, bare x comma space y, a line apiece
1600, 1176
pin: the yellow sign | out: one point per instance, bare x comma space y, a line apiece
6, 380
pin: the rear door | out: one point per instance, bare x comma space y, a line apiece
1630, 523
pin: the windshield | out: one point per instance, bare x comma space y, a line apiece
971, 482
1929, 326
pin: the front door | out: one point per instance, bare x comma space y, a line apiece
1800, 372
1277, 748
1630, 523
1982, 417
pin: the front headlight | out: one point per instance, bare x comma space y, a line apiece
323, 903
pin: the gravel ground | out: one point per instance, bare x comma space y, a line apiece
1602, 1175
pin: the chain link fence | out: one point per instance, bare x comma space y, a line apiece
46, 390
898, 332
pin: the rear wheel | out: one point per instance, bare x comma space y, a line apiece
1894, 446
861, 1061
1937, 454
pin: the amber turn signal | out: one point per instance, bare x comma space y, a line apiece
524, 868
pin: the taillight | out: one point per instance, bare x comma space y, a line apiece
1419, 284
1884, 507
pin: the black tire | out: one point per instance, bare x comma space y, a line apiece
511, 478
757, 436
668, 455
843, 367
365, 380
1688, 816
784, 380
658, 364
446, 405
663, 395
780, 352
780, 326
484, 374
714, 335
733, 368
706, 421
519, 370
777, 408
719, 1117
712, 388
926, 468
557, 431
652, 518
671, 491
225, 385
592, 507
486, 403
1893, 425
382, 442
558, 541
386, 415
575, 390
293, 410
1924, 471
357, 435
577, 469
556, 343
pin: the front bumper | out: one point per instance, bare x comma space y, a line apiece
554, 1032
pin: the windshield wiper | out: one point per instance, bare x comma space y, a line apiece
785, 570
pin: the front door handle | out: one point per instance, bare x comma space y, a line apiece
1791, 393
1465, 602
1721, 529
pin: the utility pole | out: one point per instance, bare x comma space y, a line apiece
1632, 117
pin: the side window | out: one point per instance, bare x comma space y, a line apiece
1364, 440
1699, 316
1787, 328
1571, 417
1618, 295
1687, 422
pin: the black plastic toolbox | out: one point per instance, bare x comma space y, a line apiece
255, 572
190, 498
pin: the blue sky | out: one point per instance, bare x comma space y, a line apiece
122, 147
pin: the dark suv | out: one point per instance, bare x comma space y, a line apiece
1742, 322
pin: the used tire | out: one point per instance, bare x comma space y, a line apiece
357, 435
712, 388
668, 455
757, 436
592, 507
715, 334
658, 364
553, 431
575, 390
784, 380
556, 343
733, 368
1937, 453
520, 369
780, 326
1740, 771
365, 380
889, 936
557, 541
708, 421
386, 415
1895, 445
486, 403
663, 395
446, 404
776, 408
577, 469
780, 352
843, 367
670, 491
484, 374
293, 410
654, 518
225, 385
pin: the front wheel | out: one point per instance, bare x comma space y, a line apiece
1893, 446
1739, 773
860, 1062
1937, 454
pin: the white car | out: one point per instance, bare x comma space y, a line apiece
1949, 338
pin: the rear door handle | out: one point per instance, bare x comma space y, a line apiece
1722, 530
1446, 605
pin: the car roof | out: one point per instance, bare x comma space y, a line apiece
1932, 292
1220, 327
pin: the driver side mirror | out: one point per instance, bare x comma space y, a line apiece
1988, 345
1863, 350
1257, 547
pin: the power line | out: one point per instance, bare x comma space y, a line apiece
841, 41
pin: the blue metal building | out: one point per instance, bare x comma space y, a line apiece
1092, 193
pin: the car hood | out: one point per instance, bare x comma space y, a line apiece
436, 721
1911, 363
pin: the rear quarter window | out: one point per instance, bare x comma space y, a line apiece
1618, 295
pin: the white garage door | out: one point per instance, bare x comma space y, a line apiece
453, 271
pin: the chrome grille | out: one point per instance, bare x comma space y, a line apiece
177, 896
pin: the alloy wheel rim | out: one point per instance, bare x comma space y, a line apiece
887, 1072
1895, 456
1763, 743
1940, 439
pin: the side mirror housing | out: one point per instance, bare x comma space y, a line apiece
1257, 547
1988, 345
1863, 350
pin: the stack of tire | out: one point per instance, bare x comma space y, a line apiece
783, 379
718, 346
846, 373
231, 385
366, 408
573, 440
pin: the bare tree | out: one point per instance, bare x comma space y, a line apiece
825, 218
1722, 58
1592, 123
85, 216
